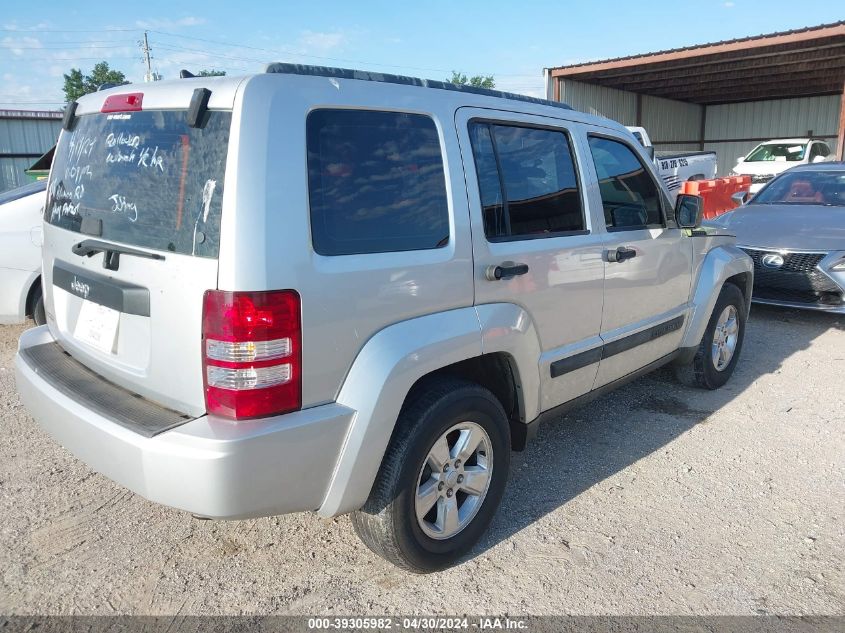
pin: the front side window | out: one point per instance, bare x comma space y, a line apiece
376, 182
629, 195
527, 181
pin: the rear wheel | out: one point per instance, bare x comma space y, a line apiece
441, 479
38, 314
719, 350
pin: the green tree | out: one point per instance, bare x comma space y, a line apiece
477, 81
211, 73
77, 84
74, 85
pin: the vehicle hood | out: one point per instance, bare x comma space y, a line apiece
764, 167
788, 226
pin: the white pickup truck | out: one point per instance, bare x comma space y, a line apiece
675, 168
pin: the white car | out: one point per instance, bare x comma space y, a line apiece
20, 253
772, 158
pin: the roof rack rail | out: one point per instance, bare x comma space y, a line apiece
366, 75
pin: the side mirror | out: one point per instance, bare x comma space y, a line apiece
740, 197
650, 151
688, 210
818, 159
740, 159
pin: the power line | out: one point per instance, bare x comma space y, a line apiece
57, 48
278, 51
109, 44
67, 30
76, 59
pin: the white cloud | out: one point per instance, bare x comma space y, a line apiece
533, 87
19, 45
170, 24
321, 42
729, 4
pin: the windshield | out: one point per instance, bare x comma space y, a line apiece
825, 188
790, 152
147, 177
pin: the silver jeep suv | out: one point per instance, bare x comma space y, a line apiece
321, 289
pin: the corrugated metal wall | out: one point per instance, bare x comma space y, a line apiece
618, 105
731, 130
671, 121
29, 137
667, 121
758, 121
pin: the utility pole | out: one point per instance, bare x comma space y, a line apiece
145, 48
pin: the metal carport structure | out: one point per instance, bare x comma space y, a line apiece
725, 96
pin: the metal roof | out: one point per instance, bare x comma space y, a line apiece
801, 62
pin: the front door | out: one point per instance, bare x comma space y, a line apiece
530, 217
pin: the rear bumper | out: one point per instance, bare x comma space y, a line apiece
206, 466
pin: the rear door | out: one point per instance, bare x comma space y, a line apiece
132, 231
647, 260
528, 208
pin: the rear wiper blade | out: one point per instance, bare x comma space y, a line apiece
111, 259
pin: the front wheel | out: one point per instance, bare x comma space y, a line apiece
718, 352
441, 479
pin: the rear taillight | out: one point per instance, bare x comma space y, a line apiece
252, 353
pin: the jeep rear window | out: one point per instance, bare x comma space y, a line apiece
148, 178
376, 182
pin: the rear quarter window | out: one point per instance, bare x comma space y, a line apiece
376, 182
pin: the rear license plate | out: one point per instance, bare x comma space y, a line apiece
97, 326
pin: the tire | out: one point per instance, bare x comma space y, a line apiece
38, 314
706, 369
389, 525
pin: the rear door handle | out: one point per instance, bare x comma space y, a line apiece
621, 254
505, 270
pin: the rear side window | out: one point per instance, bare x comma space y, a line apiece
629, 195
527, 181
376, 182
144, 178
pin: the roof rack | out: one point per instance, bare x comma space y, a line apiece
366, 75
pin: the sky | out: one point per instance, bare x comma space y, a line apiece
513, 41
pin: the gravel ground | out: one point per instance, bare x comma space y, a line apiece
656, 499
